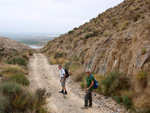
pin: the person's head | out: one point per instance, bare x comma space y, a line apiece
60, 67
88, 72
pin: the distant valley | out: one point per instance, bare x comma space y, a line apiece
34, 41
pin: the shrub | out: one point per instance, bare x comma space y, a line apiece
89, 35
143, 51
8, 71
20, 78
141, 77
17, 60
79, 75
126, 101
59, 55
21, 102
107, 81
31, 102
113, 83
40, 94
117, 99
106, 33
70, 32
38, 100
94, 33
142, 102
53, 60
10, 88
124, 25
4, 104
141, 74
127, 92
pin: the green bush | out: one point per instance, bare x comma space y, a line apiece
10, 88
94, 33
143, 51
17, 60
113, 83
107, 81
117, 99
126, 101
89, 35
20, 78
70, 32
59, 55
21, 101
4, 104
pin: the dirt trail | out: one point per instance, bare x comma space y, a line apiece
44, 75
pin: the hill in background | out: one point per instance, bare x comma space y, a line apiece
8, 47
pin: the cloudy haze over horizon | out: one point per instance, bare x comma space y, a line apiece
49, 16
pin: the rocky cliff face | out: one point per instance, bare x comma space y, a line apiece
118, 39
8, 46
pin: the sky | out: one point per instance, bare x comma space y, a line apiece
49, 16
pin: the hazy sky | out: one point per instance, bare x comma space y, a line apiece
49, 16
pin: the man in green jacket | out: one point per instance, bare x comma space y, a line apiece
88, 89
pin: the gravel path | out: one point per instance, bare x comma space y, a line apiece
44, 75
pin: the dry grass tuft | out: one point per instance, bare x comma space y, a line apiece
79, 74
141, 77
12, 69
142, 102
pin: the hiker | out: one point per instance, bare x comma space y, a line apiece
62, 79
88, 89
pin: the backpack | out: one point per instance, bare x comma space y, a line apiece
67, 73
95, 86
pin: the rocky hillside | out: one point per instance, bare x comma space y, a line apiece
8, 46
117, 39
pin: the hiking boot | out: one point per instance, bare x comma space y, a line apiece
61, 91
65, 93
85, 107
